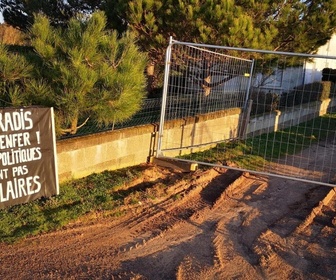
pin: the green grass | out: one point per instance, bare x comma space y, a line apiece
100, 193
254, 152
95, 193
292, 140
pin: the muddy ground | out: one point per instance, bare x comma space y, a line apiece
209, 224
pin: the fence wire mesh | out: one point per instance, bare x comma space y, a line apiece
199, 77
272, 113
149, 114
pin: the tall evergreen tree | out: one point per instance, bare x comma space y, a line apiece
88, 71
299, 26
296, 25
15, 73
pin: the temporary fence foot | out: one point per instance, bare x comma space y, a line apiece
175, 164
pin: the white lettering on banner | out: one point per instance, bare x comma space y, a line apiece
15, 121
14, 149
20, 170
20, 156
28, 167
3, 173
19, 187
14, 140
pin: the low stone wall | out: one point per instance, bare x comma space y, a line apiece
292, 116
198, 133
81, 156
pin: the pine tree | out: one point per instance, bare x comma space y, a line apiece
293, 26
299, 26
89, 71
10, 35
15, 72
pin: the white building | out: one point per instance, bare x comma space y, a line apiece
314, 69
283, 79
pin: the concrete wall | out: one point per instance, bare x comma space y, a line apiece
81, 156
199, 133
292, 116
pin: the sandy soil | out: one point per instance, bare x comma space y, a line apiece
210, 224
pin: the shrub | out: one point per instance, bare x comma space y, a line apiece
317, 91
329, 74
264, 102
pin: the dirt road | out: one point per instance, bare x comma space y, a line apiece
210, 224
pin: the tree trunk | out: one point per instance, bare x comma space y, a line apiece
150, 77
74, 125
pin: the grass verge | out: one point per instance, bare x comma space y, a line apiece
99, 192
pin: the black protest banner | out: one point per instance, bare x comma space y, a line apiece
28, 167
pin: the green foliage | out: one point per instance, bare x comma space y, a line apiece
270, 25
300, 26
89, 71
14, 72
273, 25
317, 91
264, 102
83, 71
294, 26
122, 80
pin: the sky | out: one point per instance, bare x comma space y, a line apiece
1, 18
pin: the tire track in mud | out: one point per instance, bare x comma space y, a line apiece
221, 225
284, 249
282, 222
188, 234
193, 196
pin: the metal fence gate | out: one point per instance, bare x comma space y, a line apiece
271, 113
